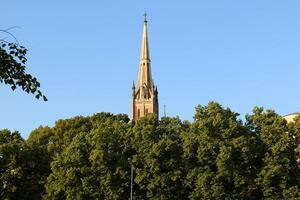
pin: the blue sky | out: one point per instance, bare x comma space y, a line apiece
86, 54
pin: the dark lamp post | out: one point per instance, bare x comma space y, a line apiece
131, 179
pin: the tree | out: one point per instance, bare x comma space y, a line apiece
68, 170
39, 159
11, 161
216, 156
294, 132
221, 156
158, 165
22, 169
65, 131
12, 68
109, 157
94, 165
279, 174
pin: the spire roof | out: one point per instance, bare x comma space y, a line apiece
145, 46
145, 76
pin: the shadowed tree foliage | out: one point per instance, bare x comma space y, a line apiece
222, 156
158, 165
64, 132
279, 175
216, 156
11, 163
38, 143
23, 168
94, 165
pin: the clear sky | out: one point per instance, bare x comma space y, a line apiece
86, 54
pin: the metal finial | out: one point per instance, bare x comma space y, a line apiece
145, 17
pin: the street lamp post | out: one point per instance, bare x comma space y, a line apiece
131, 179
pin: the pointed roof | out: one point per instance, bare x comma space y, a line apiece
145, 46
145, 75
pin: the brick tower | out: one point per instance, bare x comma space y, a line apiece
145, 96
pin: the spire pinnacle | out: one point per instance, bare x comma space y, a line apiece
145, 17
145, 46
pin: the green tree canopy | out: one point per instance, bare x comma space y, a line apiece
221, 155
94, 165
216, 156
23, 168
157, 159
279, 174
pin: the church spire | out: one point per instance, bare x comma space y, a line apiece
145, 75
145, 95
145, 46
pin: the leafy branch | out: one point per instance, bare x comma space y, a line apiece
12, 67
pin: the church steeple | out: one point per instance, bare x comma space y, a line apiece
145, 96
145, 76
145, 46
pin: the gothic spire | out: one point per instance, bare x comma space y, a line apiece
145, 46
145, 76
145, 96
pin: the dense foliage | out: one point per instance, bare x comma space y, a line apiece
217, 156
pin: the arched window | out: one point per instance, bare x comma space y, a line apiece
139, 113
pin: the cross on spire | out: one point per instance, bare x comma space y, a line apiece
145, 17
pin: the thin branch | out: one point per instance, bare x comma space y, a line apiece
12, 28
9, 33
3, 40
